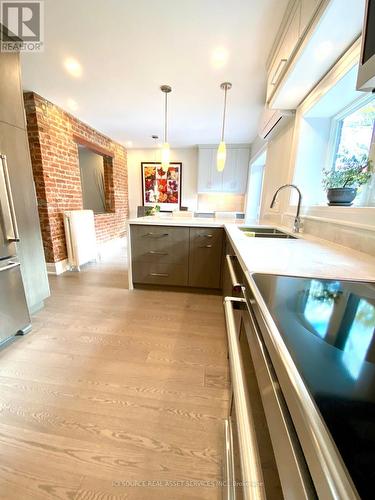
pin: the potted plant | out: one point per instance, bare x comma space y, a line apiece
342, 182
152, 210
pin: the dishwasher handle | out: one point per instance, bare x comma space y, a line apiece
253, 485
236, 285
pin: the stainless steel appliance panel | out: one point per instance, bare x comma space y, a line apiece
293, 472
14, 314
13, 144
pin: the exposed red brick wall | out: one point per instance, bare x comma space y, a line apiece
52, 136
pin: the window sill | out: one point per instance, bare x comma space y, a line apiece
357, 217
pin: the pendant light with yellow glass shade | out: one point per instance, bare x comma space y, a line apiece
222, 149
165, 149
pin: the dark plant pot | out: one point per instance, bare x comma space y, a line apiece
341, 196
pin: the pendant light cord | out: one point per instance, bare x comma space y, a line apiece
224, 113
166, 118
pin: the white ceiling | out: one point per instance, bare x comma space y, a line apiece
128, 48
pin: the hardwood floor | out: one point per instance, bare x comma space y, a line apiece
114, 388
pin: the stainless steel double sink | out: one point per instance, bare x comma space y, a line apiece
265, 232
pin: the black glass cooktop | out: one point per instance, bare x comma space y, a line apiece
329, 329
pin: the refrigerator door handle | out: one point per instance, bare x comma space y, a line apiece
9, 266
9, 211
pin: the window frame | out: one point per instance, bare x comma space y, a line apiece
336, 126
361, 217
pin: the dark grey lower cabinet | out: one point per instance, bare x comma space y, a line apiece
180, 256
205, 257
160, 255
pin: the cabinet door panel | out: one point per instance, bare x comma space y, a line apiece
205, 257
160, 273
308, 9
287, 45
209, 179
230, 184
235, 172
11, 97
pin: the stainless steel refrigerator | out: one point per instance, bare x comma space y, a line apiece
14, 313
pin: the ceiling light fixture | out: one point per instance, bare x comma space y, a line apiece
165, 151
222, 149
219, 57
73, 67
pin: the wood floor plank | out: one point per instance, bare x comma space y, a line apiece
114, 385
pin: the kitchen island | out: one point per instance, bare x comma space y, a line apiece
192, 245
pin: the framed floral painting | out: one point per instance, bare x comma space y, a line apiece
161, 188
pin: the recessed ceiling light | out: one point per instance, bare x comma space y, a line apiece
128, 144
73, 67
219, 57
72, 104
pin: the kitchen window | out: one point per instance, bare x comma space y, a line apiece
353, 130
352, 134
333, 120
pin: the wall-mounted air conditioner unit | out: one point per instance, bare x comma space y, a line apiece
273, 120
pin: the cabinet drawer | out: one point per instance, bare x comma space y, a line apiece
206, 235
160, 273
160, 244
206, 247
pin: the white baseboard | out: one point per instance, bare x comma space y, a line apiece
105, 250
57, 268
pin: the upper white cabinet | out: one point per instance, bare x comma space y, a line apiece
313, 35
308, 9
233, 179
285, 48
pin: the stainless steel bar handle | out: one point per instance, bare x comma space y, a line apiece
15, 236
9, 266
253, 487
278, 70
162, 275
229, 491
237, 286
156, 235
155, 252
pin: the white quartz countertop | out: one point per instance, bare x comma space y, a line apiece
304, 256
168, 220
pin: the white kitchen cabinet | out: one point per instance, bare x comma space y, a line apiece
236, 170
209, 179
321, 41
233, 179
288, 42
308, 9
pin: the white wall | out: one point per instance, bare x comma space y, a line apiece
189, 159
276, 173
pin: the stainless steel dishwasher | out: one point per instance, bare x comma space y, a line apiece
262, 456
